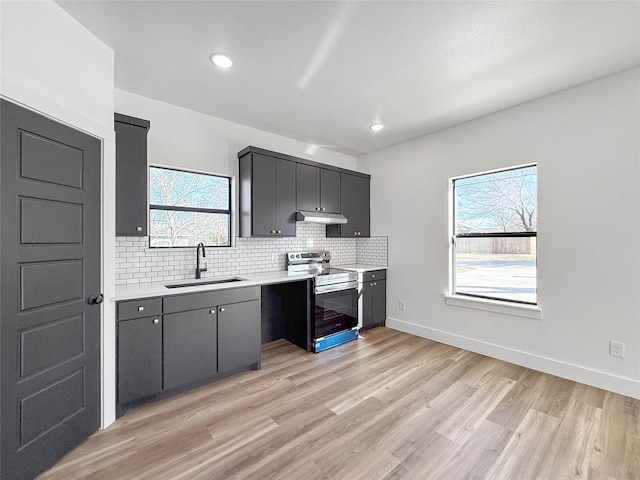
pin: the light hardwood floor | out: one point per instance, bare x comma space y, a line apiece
387, 406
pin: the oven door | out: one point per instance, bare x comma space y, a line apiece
336, 308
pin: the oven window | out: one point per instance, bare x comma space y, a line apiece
336, 312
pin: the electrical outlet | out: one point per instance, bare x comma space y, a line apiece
616, 349
402, 305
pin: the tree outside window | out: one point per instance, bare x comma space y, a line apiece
494, 240
187, 208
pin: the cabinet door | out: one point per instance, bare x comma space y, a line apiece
374, 303
329, 191
263, 185
367, 305
131, 176
354, 201
285, 198
189, 347
307, 187
238, 335
139, 358
379, 302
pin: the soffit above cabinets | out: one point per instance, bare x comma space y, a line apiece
322, 72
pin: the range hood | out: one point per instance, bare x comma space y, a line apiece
320, 217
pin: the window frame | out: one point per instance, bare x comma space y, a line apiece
230, 211
484, 299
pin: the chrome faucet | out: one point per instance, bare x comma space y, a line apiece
198, 269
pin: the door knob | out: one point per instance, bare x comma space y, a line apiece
95, 300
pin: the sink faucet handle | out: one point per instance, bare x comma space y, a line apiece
200, 269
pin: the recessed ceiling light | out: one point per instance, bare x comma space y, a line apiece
376, 127
222, 60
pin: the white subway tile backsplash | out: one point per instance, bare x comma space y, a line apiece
372, 251
137, 263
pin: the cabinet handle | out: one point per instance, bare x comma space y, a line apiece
156, 321
138, 229
279, 231
373, 276
212, 312
323, 209
222, 309
140, 309
317, 208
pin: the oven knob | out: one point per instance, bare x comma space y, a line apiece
298, 256
291, 256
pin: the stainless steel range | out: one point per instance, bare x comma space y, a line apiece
335, 299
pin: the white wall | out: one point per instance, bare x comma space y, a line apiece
53, 65
586, 142
187, 139
184, 138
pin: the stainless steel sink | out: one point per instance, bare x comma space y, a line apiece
205, 282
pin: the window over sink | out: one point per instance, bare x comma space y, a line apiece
189, 207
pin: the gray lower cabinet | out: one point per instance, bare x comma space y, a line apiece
192, 340
374, 299
139, 358
238, 336
190, 347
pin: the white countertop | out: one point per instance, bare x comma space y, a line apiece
157, 289
357, 267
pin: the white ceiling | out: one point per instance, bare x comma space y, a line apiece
323, 71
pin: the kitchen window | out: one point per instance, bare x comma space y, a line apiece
189, 207
494, 229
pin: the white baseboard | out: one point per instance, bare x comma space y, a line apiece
624, 386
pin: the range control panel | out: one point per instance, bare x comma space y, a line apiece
322, 256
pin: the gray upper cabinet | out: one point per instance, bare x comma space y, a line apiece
274, 186
131, 175
317, 189
330, 190
267, 196
355, 197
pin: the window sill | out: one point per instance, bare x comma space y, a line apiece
506, 308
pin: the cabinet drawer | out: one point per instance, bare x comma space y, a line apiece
145, 307
375, 275
195, 301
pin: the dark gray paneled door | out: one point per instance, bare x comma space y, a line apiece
50, 266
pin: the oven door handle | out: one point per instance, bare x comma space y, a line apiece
336, 287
